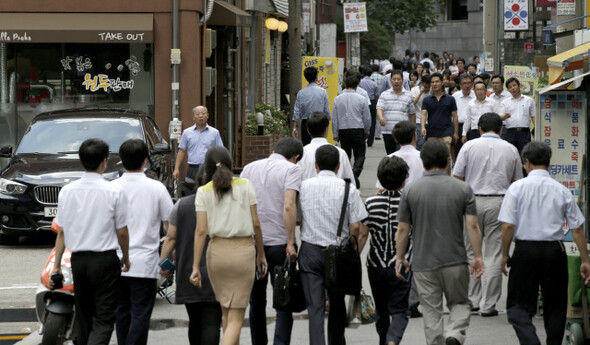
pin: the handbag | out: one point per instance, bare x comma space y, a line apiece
343, 272
287, 291
361, 310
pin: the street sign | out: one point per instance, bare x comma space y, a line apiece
355, 17
529, 47
516, 15
566, 7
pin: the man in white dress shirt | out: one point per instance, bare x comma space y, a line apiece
321, 204
92, 220
477, 107
489, 165
462, 98
318, 126
498, 92
149, 204
520, 112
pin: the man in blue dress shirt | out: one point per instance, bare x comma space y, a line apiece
533, 212
310, 99
195, 142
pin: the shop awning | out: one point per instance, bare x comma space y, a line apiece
76, 27
226, 14
561, 63
560, 84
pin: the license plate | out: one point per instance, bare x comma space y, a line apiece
50, 212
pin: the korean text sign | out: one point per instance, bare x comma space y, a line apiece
355, 17
562, 125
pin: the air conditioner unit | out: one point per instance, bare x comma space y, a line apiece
210, 80
211, 42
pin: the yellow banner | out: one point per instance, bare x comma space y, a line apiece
527, 76
327, 78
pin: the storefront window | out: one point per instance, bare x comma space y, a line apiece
40, 77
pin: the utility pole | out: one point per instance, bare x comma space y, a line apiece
353, 47
294, 51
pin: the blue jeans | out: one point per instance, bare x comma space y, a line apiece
275, 256
419, 138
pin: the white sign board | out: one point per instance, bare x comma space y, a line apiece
516, 15
566, 7
355, 17
305, 12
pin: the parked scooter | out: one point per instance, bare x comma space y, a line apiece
55, 308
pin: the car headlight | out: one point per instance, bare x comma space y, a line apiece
11, 187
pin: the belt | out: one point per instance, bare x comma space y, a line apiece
489, 195
194, 165
92, 253
518, 129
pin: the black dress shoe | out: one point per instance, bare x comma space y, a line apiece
414, 312
452, 341
476, 309
490, 313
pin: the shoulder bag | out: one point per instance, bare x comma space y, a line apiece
343, 271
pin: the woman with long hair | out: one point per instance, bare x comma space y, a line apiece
226, 210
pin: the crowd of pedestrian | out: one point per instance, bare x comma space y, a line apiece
452, 194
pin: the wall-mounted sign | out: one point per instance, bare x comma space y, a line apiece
529, 47
566, 7
516, 15
355, 17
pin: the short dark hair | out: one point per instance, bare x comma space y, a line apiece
375, 67
133, 152
288, 147
460, 59
537, 153
352, 81
397, 64
436, 74
92, 152
310, 73
398, 72
485, 76
434, 154
512, 79
472, 65
317, 123
327, 157
403, 132
479, 83
426, 64
490, 122
367, 71
426, 78
499, 76
426, 54
453, 88
465, 76
392, 172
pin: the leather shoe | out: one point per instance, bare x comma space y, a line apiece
490, 313
414, 312
475, 309
452, 341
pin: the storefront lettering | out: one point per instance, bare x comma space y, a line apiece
103, 82
120, 36
5, 36
82, 66
65, 63
133, 65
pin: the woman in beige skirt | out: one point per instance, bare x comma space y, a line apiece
226, 210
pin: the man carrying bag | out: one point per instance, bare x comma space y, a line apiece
321, 209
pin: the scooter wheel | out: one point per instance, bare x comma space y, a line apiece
54, 330
576, 334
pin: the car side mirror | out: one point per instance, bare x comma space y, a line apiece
161, 148
6, 151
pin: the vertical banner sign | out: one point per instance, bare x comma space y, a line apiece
305, 12
566, 7
516, 15
355, 17
527, 76
327, 78
562, 126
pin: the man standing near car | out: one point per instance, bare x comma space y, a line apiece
93, 237
195, 142
276, 181
149, 204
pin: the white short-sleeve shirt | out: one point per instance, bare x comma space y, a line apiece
148, 205
521, 111
90, 210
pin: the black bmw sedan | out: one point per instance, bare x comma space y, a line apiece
46, 159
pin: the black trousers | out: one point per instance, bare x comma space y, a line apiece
391, 301
135, 310
534, 264
458, 144
275, 256
390, 145
473, 134
518, 137
305, 136
311, 264
373, 110
353, 142
204, 322
97, 278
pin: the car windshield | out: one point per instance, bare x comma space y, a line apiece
66, 135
